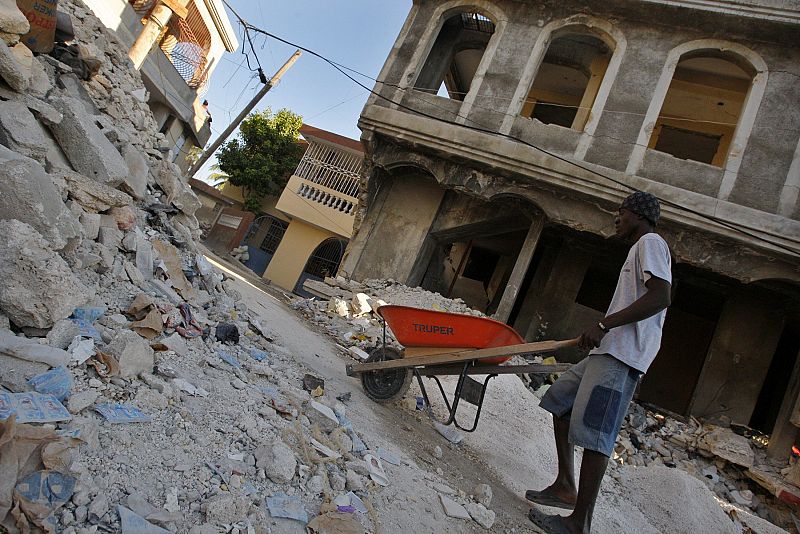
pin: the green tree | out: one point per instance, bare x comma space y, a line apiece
263, 155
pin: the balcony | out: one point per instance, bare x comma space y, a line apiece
323, 190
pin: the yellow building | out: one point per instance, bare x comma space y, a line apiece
303, 233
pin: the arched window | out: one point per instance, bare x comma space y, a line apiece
568, 80
456, 54
324, 261
702, 106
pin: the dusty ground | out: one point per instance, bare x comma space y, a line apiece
512, 450
409, 503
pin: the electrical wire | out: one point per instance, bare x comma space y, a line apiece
482, 129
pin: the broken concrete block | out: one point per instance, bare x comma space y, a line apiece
278, 462
15, 373
82, 400
28, 194
91, 225
93, 196
732, 447
16, 64
37, 287
110, 237
62, 333
133, 354
144, 258
483, 516
323, 416
135, 182
453, 509
86, 147
133, 273
178, 192
21, 132
12, 21
29, 350
361, 304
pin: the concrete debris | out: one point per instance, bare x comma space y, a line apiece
94, 197
453, 509
728, 446
86, 147
29, 195
133, 354
483, 516
16, 65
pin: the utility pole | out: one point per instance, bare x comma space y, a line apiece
268, 84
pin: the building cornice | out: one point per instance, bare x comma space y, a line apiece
222, 24
737, 8
508, 157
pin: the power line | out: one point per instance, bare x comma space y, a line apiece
482, 129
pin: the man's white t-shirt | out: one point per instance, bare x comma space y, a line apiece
636, 344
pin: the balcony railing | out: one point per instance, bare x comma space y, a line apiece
335, 169
327, 199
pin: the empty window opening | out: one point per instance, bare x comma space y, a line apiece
568, 81
598, 286
702, 108
455, 56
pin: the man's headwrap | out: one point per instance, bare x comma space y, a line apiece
644, 204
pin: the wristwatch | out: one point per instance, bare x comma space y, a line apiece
602, 327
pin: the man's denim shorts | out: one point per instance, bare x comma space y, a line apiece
594, 396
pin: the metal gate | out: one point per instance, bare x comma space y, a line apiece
262, 240
324, 261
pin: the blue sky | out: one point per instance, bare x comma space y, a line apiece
356, 33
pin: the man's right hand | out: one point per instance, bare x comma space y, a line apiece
591, 338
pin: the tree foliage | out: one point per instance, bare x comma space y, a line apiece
263, 155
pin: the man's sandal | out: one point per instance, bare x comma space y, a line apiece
546, 499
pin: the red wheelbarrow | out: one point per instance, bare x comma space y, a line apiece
439, 344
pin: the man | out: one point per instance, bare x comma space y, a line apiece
589, 402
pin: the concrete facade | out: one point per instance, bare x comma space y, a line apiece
564, 115
176, 106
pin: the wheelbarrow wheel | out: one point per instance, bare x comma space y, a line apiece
387, 385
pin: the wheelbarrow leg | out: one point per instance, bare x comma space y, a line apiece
480, 406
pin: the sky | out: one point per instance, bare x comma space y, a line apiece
356, 33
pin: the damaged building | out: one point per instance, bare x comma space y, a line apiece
504, 134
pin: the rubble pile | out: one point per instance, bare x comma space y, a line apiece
137, 392
735, 468
347, 309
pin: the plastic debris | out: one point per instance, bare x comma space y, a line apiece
32, 407
449, 432
85, 318
289, 507
190, 328
227, 358
227, 333
258, 355
357, 503
358, 444
56, 382
121, 413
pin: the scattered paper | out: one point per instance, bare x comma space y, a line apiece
132, 523
121, 413
325, 451
31, 407
56, 382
